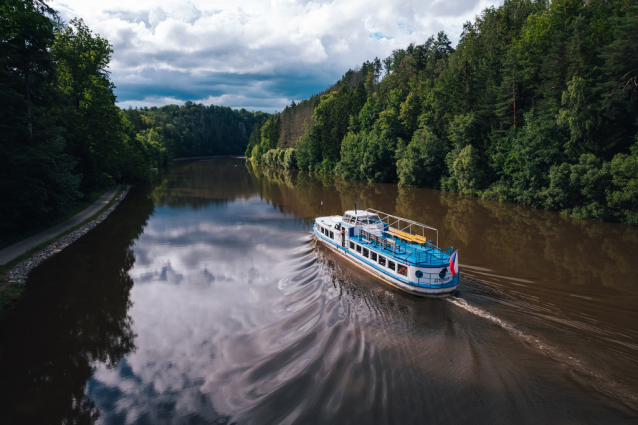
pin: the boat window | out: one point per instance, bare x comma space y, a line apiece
373, 256
403, 270
381, 260
358, 248
362, 220
391, 265
332, 235
351, 245
365, 252
373, 219
346, 218
323, 230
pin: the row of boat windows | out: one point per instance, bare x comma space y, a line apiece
327, 232
380, 259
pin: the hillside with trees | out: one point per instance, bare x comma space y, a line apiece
62, 134
195, 129
537, 104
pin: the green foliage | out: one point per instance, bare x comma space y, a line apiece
596, 189
580, 189
538, 104
290, 158
467, 171
523, 159
38, 177
622, 196
422, 161
91, 117
577, 115
368, 114
379, 157
62, 135
286, 158
410, 111
197, 130
352, 150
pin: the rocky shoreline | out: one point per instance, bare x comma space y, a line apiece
21, 271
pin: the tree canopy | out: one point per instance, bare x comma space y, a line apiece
62, 134
537, 104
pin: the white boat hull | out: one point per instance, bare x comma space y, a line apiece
412, 289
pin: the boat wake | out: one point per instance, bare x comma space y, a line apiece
332, 344
590, 375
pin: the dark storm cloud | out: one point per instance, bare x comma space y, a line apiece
184, 85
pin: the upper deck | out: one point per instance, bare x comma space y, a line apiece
403, 250
391, 236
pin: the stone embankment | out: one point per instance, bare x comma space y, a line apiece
21, 271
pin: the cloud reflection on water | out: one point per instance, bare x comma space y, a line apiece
199, 279
238, 316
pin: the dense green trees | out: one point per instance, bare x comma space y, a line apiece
62, 136
194, 129
538, 104
38, 177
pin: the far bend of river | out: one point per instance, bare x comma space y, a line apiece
206, 299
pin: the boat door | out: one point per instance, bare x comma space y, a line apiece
342, 231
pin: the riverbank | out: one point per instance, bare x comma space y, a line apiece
192, 158
586, 211
14, 274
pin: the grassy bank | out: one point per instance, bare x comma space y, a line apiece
11, 291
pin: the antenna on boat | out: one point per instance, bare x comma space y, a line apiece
355, 207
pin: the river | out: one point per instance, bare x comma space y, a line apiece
206, 299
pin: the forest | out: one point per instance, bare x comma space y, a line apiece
537, 104
62, 134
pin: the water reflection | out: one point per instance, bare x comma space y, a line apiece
570, 282
496, 235
237, 315
72, 316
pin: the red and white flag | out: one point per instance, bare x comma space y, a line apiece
454, 263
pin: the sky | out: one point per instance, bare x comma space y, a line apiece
254, 54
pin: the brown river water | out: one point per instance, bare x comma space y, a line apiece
206, 299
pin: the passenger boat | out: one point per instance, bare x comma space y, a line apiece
392, 248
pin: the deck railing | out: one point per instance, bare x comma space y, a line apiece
405, 225
424, 259
397, 247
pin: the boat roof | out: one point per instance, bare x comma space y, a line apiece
359, 213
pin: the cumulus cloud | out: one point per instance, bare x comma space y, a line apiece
260, 55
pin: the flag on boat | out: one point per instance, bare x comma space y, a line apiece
454, 263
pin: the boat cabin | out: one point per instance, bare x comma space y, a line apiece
360, 217
394, 248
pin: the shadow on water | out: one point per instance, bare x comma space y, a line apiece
72, 315
209, 301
